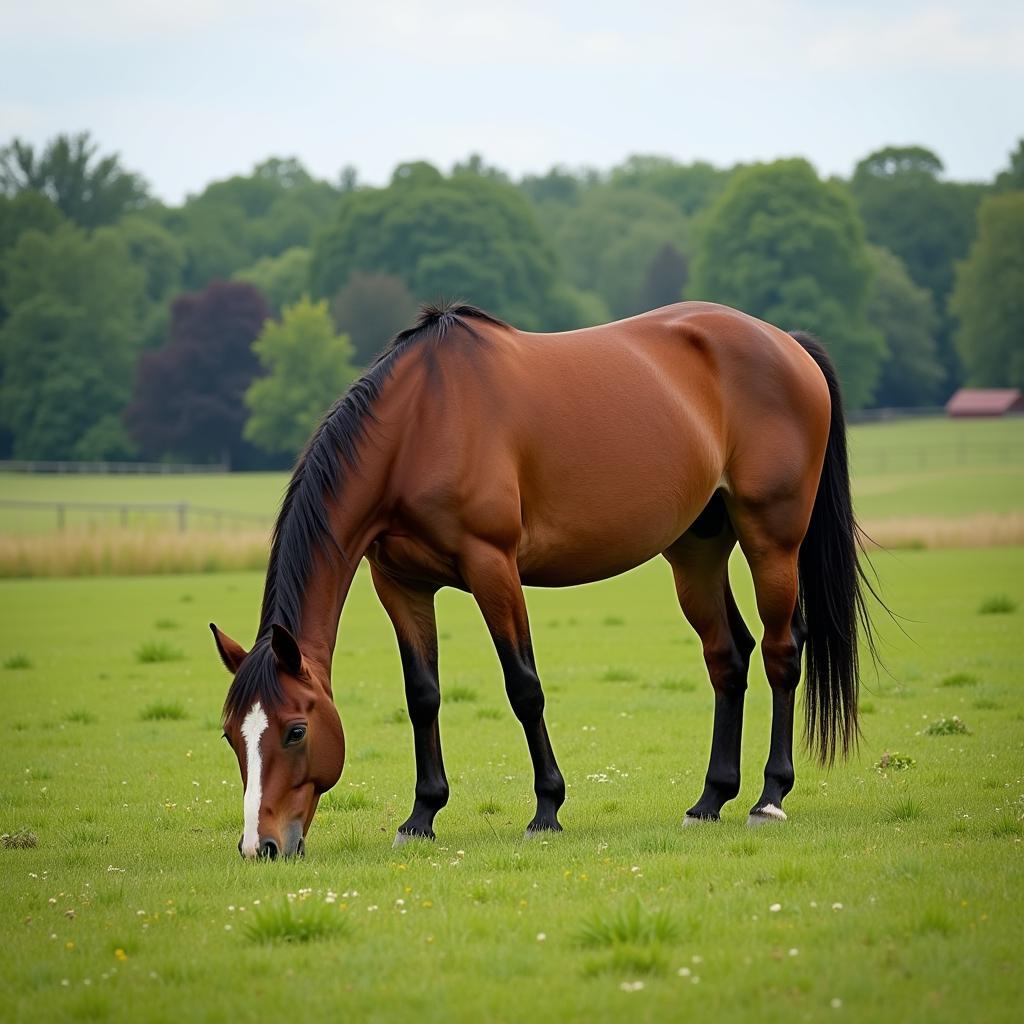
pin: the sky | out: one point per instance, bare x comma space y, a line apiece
197, 90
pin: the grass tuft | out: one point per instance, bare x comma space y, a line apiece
153, 651
489, 807
347, 800
959, 679
987, 704
458, 694
952, 726
296, 922
1008, 826
17, 661
631, 924
677, 685
166, 624
81, 716
164, 711
618, 675
907, 809
997, 604
488, 713
935, 921
613, 620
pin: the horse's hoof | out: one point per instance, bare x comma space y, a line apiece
767, 815
401, 838
533, 831
697, 819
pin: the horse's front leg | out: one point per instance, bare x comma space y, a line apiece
412, 613
493, 579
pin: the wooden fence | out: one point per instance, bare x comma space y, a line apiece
117, 468
181, 515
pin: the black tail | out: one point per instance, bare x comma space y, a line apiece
832, 590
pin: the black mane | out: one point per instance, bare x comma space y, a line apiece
302, 528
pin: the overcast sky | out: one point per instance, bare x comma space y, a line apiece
195, 90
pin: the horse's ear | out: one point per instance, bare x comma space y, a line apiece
286, 649
231, 654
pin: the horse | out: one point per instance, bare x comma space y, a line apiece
474, 455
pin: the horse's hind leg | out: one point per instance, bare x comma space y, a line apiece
700, 566
493, 579
411, 611
770, 540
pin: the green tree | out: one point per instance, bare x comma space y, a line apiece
610, 240
283, 279
988, 300
467, 236
69, 343
26, 211
1013, 177
904, 314
690, 188
87, 190
926, 222
307, 367
161, 258
371, 309
557, 189
789, 248
237, 222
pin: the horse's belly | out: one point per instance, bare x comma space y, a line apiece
581, 534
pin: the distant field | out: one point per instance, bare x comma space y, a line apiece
888, 896
915, 468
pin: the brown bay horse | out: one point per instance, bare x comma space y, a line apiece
476, 456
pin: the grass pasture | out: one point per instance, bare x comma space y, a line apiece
893, 893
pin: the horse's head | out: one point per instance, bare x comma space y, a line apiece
285, 731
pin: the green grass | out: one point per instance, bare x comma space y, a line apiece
632, 924
164, 711
997, 604
958, 680
294, 920
17, 661
136, 820
153, 651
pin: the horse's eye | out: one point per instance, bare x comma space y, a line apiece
296, 734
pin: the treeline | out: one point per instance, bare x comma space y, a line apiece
221, 328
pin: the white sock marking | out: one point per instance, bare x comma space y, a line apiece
253, 728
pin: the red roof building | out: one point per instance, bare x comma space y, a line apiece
985, 402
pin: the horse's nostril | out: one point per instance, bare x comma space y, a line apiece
240, 848
268, 849
300, 850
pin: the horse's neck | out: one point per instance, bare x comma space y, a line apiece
355, 521
354, 529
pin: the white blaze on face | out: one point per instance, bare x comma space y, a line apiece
253, 728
